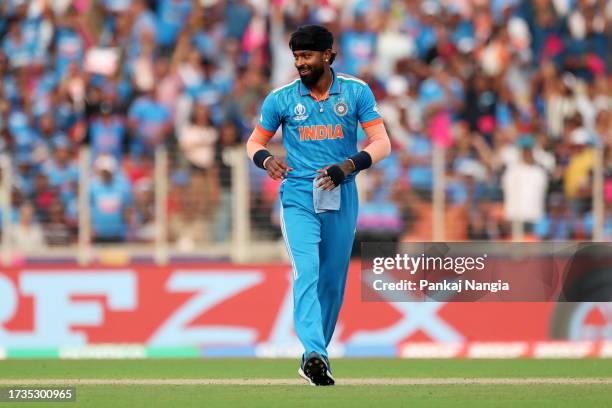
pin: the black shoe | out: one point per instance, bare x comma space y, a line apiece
328, 363
315, 370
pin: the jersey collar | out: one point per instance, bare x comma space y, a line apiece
334, 89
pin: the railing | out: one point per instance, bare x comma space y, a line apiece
251, 235
5, 194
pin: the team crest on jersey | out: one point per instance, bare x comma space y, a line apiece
300, 112
341, 108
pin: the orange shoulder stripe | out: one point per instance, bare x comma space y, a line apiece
265, 131
371, 123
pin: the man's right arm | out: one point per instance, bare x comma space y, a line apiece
258, 140
256, 145
256, 149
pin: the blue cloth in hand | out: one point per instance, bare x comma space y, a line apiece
325, 200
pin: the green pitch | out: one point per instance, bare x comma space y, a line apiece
400, 385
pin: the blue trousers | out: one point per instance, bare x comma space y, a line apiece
319, 246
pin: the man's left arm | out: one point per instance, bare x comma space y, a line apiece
379, 145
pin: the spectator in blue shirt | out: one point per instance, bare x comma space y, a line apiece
69, 48
441, 90
425, 35
150, 124
358, 46
24, 136
237, 16
557, 224
418, 159
378, 212
107, 132
48, 133
171, 17
25, 174
210, 87
15, 44
63, 173
110, 199
143, 21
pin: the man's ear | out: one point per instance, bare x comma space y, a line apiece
328, 56
332, 57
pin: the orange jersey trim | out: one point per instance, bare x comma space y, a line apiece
372, 123
265, 131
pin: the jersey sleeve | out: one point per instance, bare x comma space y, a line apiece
269, 117
367, 110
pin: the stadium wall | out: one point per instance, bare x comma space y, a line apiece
221, 310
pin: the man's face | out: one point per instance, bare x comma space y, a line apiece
106, 175
62, 155
528, 156
310, 65
47, 123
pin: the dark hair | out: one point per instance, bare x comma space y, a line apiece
192, 114
312, 38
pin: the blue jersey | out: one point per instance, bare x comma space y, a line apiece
108, 204
319, 133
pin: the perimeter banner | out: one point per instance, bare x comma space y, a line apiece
248, 309
487, 272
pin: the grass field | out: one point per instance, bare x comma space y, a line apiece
361, 383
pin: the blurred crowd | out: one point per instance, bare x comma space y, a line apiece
513, 96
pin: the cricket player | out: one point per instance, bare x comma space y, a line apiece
319, 113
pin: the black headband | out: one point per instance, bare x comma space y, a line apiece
311, 38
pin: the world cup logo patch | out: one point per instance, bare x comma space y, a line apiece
300, 112
299, 109
341, 108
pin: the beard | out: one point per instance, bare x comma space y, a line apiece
314, 75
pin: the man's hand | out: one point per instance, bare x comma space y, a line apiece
276, 167
333, 179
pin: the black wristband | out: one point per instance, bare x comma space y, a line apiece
336, 174
362, 160
260, 157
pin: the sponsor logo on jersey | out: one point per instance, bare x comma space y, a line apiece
320, 132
